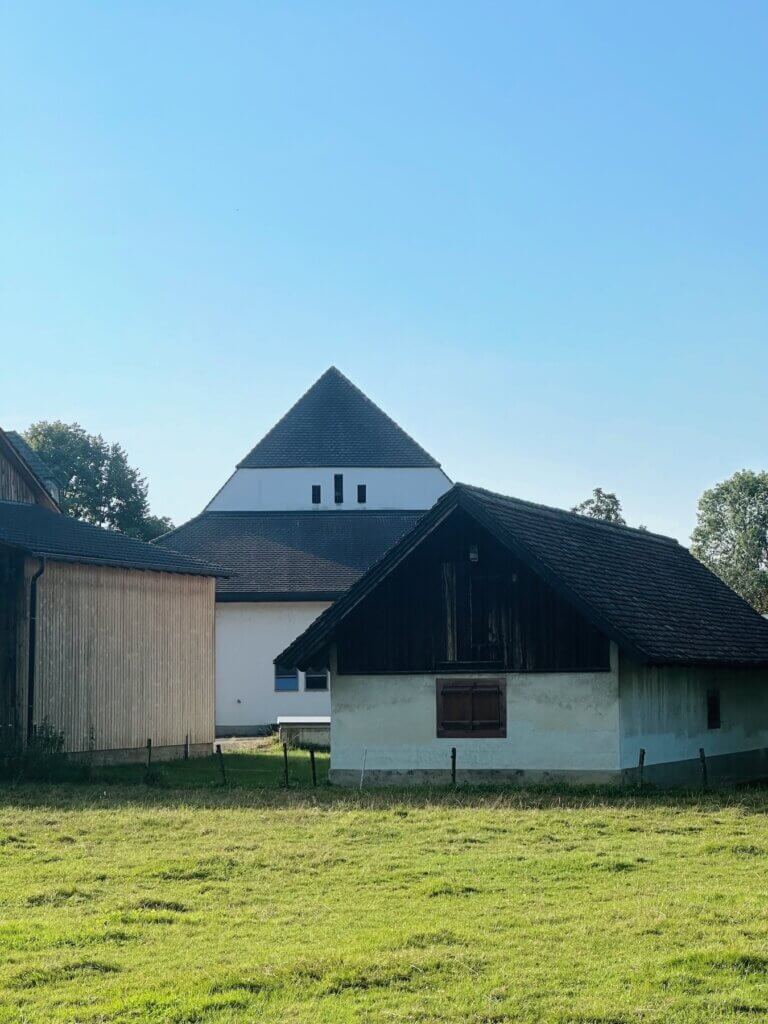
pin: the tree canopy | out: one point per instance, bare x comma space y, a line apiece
99, 486
731, 534
602, 505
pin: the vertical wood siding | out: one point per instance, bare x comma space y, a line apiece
12, 485
125, 656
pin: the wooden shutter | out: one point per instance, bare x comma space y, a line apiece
471, 708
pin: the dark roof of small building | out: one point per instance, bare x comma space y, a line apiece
645, 591
283, 556
46, 534
335, 424
42, 471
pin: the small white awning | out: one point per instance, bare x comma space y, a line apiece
303, 719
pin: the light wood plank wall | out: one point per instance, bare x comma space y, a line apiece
124, 656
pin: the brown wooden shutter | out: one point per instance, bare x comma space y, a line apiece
471, 708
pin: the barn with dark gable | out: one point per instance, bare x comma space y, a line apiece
540, 645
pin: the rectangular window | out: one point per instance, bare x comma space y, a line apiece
361, 494
286, 679
315, 494
713, 709
316, 679
338, 488
472, 708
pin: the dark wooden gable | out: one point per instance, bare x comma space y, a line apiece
463, 602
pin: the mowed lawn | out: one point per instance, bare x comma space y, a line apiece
127, 903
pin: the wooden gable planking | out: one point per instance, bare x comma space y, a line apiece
13, 485
463, 601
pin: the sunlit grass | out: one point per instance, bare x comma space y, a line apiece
123, 903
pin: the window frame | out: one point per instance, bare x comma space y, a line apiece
317, 494
316, 672
442, 685
283, 673
362, 494
338, 488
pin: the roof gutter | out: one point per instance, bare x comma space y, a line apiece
32, 649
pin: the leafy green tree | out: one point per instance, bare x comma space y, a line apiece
731, 534
602, 505
99, 486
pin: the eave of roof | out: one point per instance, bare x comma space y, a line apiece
43, 533
474, 501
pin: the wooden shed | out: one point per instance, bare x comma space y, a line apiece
108, 640
505, 640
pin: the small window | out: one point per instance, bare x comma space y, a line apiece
286, 679
473, 708
338, 488
362, 495
316, 679
316, 494
713, 709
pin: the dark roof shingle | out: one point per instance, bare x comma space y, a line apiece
645, 591
47, 534
335, 424
290, 555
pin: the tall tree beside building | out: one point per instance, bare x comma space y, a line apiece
602, 505
731, 534
99, 486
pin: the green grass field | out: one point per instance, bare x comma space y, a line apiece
127, 903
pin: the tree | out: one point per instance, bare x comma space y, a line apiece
731, 535
602, 505
99, 486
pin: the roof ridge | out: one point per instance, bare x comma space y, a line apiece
378, 408
587, 520
333, 374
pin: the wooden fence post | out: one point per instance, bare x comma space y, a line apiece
312, 763
285, 763
220, 756
453, 766
640, 766
703, 759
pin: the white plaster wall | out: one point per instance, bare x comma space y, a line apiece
279, 490
248, 636
555, 722
664, 710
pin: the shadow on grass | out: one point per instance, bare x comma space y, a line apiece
193, 784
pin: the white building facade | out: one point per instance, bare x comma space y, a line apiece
318, 500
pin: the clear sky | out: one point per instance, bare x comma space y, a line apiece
535, 233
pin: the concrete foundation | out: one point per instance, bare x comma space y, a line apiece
138, 755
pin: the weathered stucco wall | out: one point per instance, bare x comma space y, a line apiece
556, 723
249, 635
664, 711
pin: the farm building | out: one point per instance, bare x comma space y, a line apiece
108, 640
541, 645
320, 498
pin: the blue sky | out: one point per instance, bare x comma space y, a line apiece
534, 233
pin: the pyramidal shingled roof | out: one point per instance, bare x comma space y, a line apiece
335, 424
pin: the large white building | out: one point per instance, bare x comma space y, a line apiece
318, 500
